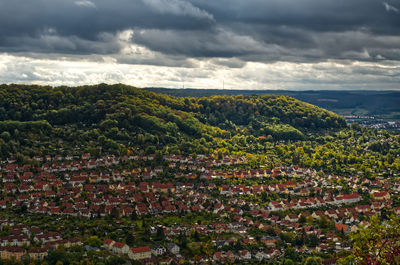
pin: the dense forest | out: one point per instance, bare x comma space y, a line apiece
384, 104
38, 120
126, 115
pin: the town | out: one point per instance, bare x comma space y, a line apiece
373, 122
168, 209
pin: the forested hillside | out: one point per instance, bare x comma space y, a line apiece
120, 119
120, 116
383, 104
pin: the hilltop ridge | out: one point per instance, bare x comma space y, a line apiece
118, 116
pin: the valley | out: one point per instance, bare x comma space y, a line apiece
111, 174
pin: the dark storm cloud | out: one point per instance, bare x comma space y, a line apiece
86, 19
321, 15
251, 30
85, 26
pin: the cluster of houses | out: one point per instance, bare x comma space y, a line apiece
245, 255
270, 200
119, 248
19, 238
144, 254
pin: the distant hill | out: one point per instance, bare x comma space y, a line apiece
385, 104
38, 119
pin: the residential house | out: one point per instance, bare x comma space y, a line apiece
158, 250
348, 198
108, 243
292, 217
245, 255
8, 252
381, 195
38, 253
140, 253
343, 227
120, 248
173, 248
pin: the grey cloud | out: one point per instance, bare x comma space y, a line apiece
85, 3
230, 63
21, 17
214, 43
308, 14
160, 60
389, 7
177, 7
232, 32
50, 42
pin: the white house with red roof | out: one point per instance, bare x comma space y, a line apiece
348, 198
140, 253
108, 243
120, 248
381, 195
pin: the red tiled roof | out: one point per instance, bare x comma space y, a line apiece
341, 227
140, 249
108, 241
380, 194
350, 196
118, 245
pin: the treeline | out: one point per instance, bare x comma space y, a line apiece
266, 109
370, 102
34, 126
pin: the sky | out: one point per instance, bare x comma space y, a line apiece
230, 44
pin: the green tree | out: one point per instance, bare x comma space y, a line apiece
130, 239
6, 136
302, 219
160, 234
378, 243
291, 254
94, 241
313, 261
288, 262
114, 213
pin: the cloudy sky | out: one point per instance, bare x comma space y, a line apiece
245, 44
